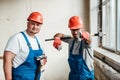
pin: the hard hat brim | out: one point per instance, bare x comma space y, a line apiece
76, 27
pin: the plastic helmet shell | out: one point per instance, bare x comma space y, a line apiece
36, 16
75, 22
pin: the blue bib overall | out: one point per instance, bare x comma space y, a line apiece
78, 67
27, 70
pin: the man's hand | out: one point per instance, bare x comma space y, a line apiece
59, 35
86, 37
57, 43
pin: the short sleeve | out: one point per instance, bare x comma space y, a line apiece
13, 44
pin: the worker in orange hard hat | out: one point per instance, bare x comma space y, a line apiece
80, 54
22, 50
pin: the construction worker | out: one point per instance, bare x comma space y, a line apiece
21, 51
81, 64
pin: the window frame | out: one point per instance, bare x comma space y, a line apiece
104, 2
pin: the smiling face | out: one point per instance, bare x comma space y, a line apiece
33, 27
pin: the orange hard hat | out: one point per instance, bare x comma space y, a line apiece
75, 22
35, 16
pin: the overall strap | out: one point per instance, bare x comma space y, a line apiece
28, 43
71, 49
37, 42
81, 47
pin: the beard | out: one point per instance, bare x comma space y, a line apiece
75, 36
34, 31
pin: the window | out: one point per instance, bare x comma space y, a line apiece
109, 24
118, 25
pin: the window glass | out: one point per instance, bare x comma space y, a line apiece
108, 25
118, 25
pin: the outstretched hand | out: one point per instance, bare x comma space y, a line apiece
86, 37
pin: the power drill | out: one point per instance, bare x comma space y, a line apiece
41, 59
